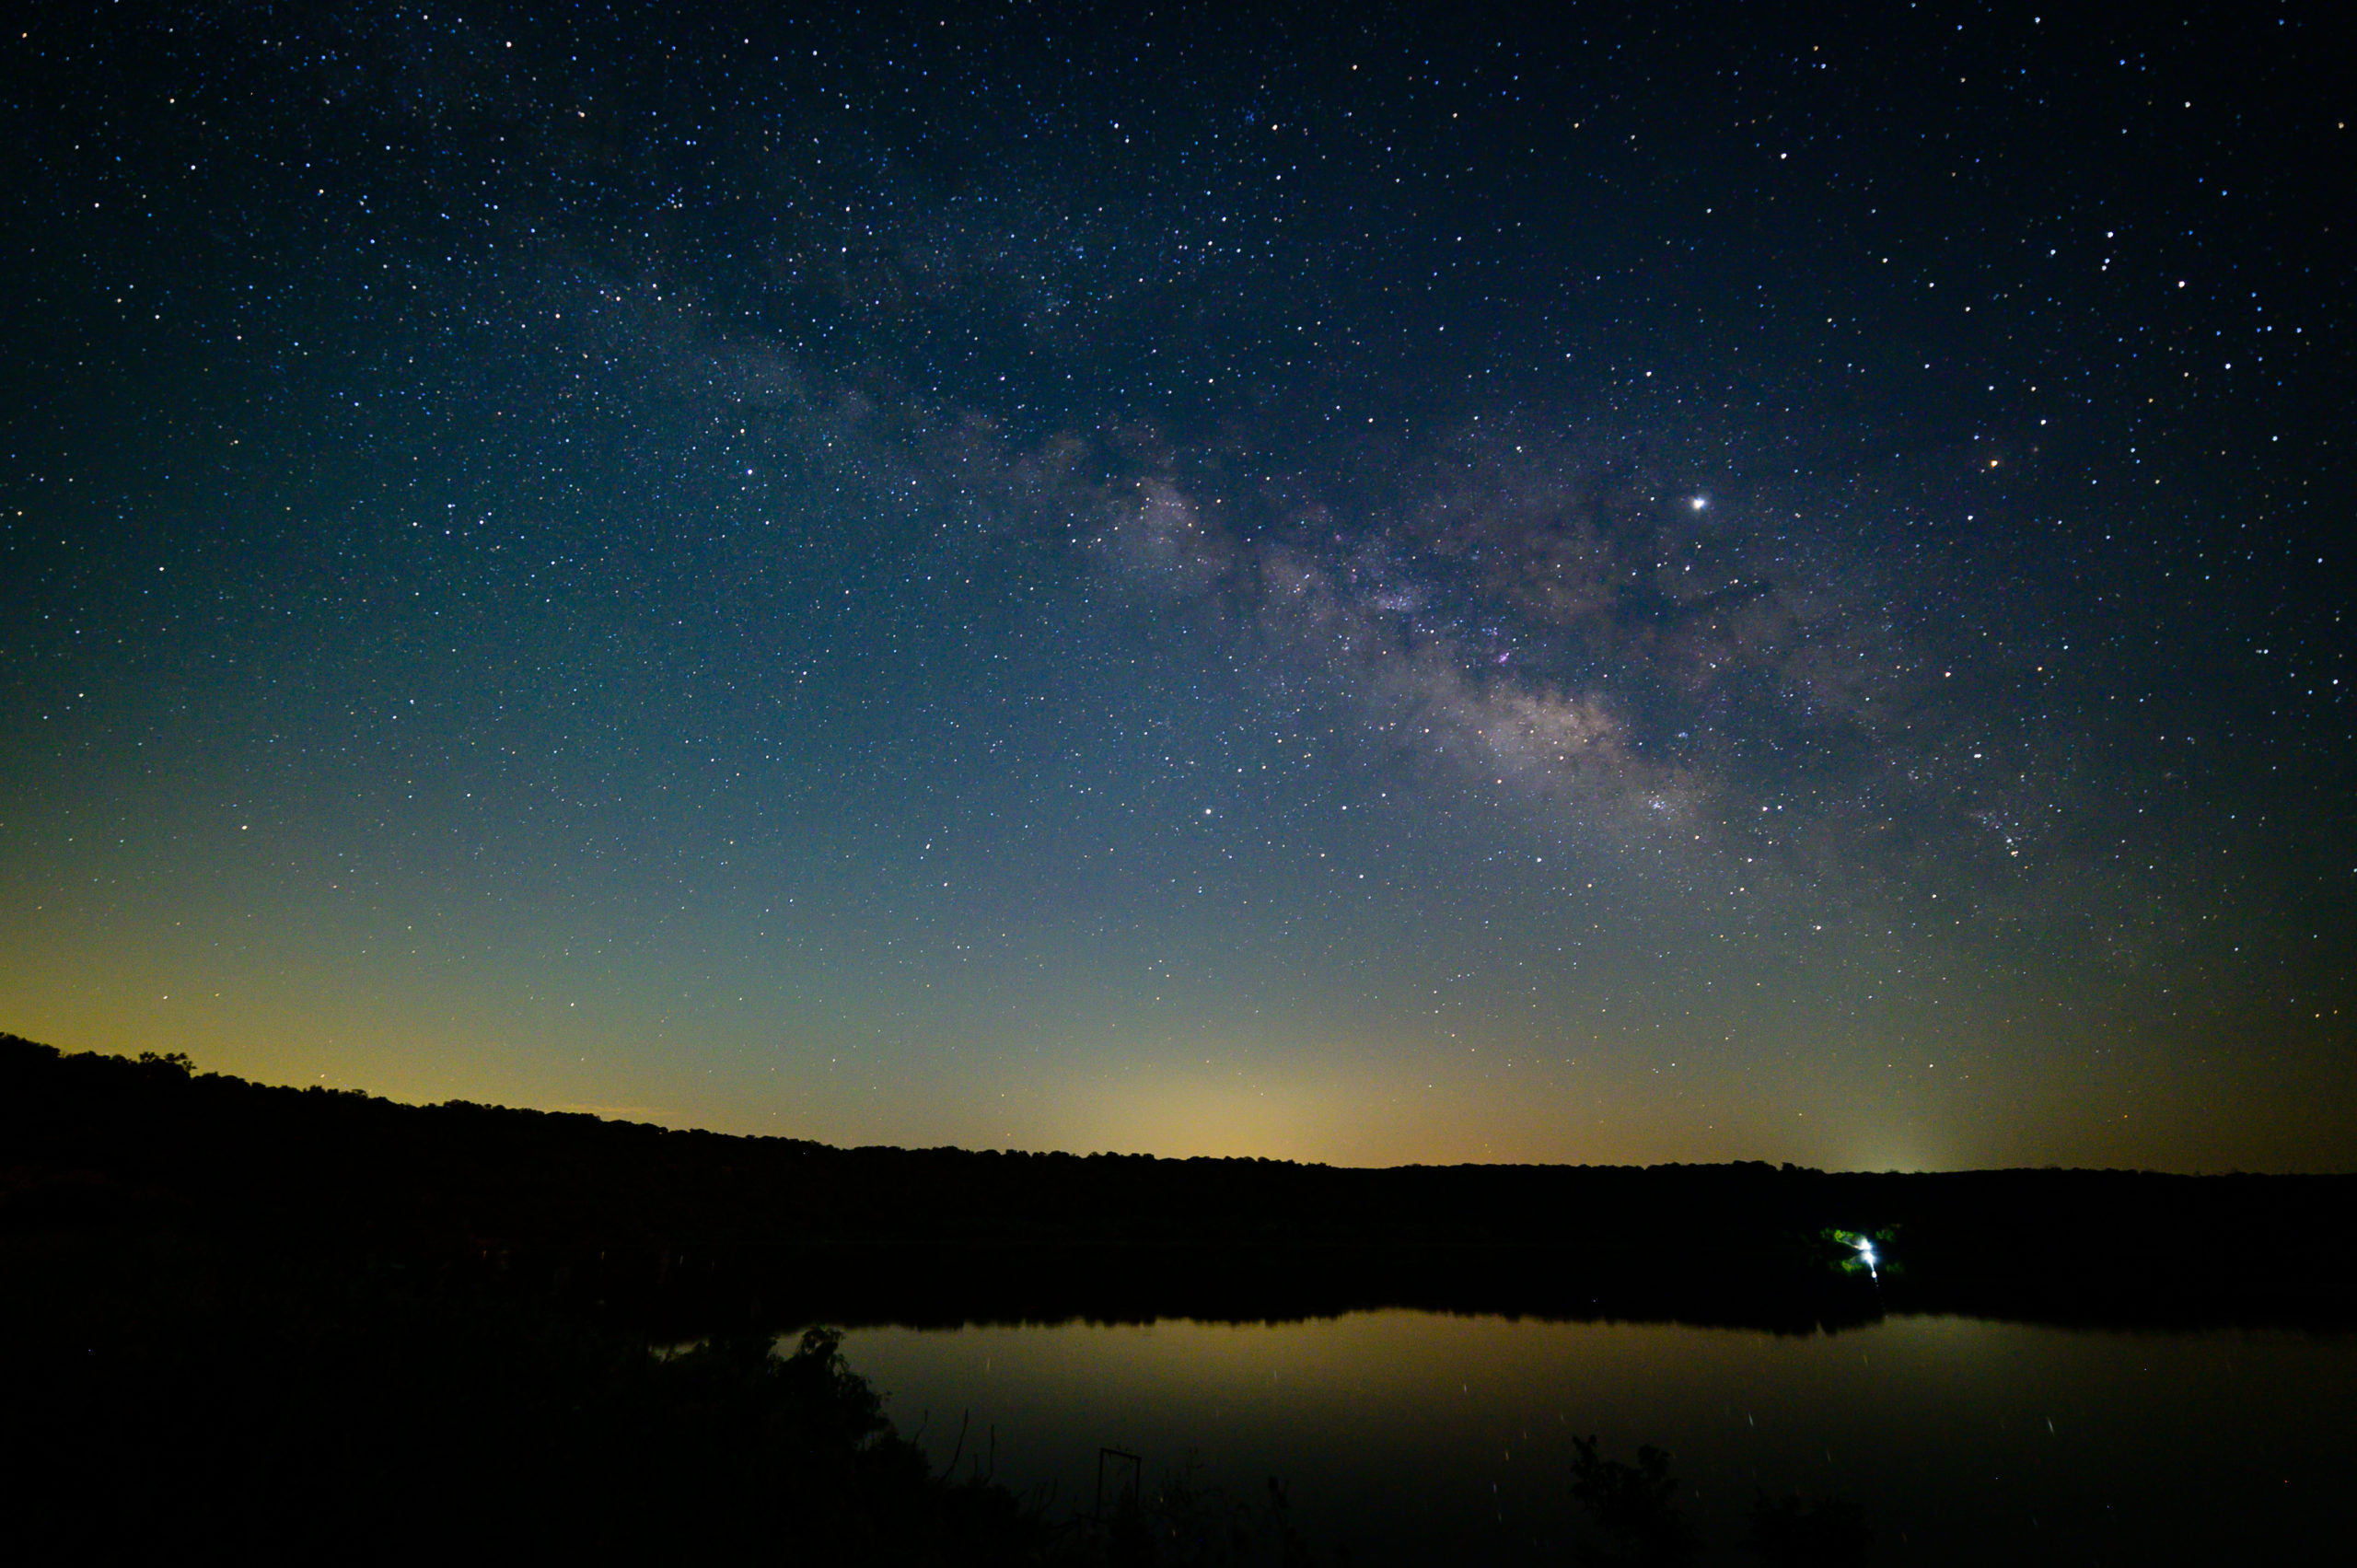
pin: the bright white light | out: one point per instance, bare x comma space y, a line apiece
1699, 502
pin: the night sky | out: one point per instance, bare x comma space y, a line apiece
1370, 584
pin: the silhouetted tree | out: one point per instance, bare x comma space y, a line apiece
1634, 1508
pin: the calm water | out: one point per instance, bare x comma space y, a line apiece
1415, 1437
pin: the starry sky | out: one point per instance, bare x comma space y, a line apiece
1375, 584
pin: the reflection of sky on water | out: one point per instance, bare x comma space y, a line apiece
1406, 1434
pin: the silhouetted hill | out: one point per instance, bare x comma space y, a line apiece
687, 1231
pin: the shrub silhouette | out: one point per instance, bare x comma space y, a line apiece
1634, 1508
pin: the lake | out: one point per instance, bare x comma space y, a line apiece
1414, 1438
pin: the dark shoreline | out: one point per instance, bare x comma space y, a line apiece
682, 1233
245, 1323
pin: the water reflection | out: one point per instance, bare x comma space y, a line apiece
1419, 1437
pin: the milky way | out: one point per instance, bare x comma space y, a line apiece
1373, 586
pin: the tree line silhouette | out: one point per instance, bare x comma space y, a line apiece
689, 1230
248, 1321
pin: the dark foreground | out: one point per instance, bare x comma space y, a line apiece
246, 1322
